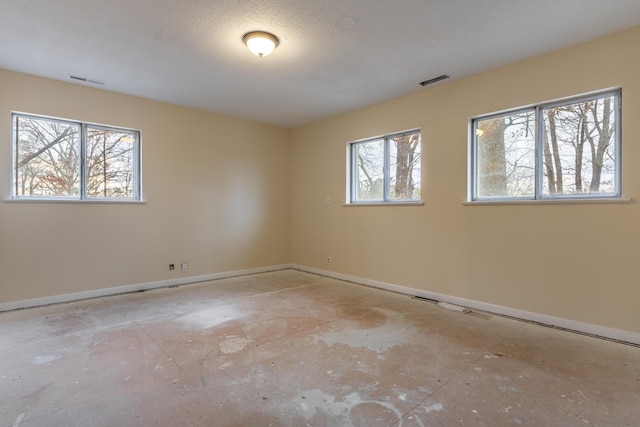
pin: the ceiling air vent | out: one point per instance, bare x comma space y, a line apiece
434, 80
85, 80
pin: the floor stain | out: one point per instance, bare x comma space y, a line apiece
395, 331
41, 360
233, 345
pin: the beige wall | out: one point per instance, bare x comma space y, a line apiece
226, 194
574, 261
216, 192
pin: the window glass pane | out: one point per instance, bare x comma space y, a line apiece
505, 156
369, 170
404, 167
47, 155
110, 163
579, 148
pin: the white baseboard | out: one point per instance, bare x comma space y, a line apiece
57, 299
559, 322
587, 328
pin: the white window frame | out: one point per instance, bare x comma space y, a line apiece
352, 168
538, 195
82, 164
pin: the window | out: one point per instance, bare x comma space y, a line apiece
60, 159
386, 169
568, 149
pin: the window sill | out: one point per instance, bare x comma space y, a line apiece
576, 201
378, 204
78, 201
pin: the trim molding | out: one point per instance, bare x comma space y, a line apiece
547, 320
558, 322
57, 299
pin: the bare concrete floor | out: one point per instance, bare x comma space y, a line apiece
294, 349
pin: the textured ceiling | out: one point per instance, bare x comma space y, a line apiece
334, 55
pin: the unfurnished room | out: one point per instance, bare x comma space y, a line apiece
337, 213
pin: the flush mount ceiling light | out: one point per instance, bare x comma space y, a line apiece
260, 43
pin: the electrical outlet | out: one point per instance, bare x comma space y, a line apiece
185, 267
171, 266
328, 260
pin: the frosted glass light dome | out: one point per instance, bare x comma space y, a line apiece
260, 43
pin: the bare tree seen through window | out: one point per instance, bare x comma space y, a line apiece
48, 155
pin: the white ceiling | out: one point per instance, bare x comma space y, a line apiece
334, 55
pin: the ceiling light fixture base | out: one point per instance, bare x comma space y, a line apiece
260, 43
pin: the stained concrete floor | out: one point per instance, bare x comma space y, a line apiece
290, 348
